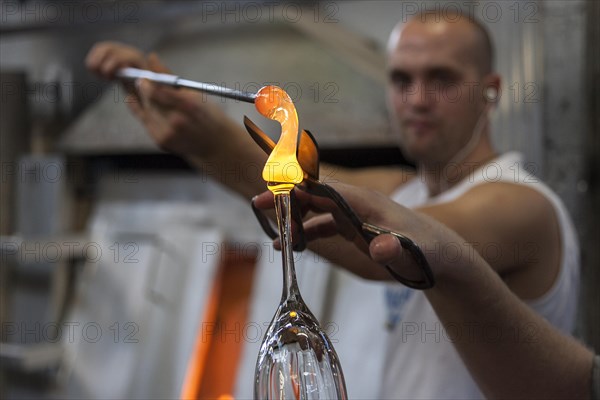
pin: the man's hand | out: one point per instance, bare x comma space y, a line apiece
183, 121
106, 58
180, 121
376, 209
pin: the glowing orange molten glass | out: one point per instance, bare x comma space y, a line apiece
282, 170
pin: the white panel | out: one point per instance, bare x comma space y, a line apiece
140, 302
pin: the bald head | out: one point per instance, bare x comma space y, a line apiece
475, 42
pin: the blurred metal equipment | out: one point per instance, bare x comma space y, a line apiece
14, 129
591, 182
42, 201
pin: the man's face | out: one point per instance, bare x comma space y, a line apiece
435, 90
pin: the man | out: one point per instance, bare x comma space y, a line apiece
520, 229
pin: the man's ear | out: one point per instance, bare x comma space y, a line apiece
491, 88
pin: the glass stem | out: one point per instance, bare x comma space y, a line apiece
283, 209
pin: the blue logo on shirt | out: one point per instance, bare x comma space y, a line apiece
395, 301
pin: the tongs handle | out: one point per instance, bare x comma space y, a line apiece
427, 280
176, 81
368, 232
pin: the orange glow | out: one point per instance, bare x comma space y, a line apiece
282, 170
214, 364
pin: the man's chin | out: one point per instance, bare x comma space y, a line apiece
407, 154
413, 155
416, 148
421, 156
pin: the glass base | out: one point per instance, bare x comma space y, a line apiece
297, 359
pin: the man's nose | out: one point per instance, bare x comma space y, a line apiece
420, 96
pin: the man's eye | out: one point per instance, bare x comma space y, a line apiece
443, 79
400, 80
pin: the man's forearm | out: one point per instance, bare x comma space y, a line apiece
509, 350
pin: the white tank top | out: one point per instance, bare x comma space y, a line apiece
421, 361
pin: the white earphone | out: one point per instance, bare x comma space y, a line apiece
491, 94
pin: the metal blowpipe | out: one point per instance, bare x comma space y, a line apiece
176, 81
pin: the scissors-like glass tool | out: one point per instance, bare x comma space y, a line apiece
308, 158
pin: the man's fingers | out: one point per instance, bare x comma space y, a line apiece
318, 204
156, 96
110, 66
155, 118
264, 201
321, 226
100, 64
93, 60
106, 58
385, 250
161, 96
154, 64
133, 102
164, 96
144, 89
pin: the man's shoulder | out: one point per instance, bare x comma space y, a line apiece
508, 178
518, 200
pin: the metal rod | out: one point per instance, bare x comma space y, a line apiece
176, 81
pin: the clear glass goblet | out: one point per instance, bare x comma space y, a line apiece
296, 358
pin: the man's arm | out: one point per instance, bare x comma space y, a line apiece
510, 351
186, 123
513, 227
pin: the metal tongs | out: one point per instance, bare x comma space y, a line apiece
178, 82
308, 158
